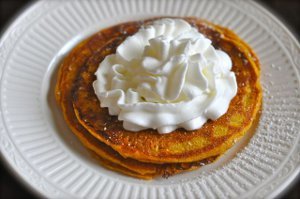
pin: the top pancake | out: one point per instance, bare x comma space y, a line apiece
214, 138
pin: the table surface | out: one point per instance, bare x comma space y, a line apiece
288, 11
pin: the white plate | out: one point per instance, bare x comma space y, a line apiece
40, 149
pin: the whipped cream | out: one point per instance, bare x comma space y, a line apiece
166, 76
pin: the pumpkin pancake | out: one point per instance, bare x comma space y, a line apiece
214, 138
109, 158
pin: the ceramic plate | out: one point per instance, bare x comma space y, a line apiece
40, 149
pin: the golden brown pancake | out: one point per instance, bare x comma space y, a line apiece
144, 154
109, 158
214, 138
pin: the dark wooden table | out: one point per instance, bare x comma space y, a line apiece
287, 10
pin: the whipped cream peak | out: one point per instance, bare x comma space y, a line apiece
166, 76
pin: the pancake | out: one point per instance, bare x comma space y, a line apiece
214, 138
109, 158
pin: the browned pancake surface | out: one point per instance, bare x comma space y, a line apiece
214, 138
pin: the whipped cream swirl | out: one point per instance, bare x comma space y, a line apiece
164, 77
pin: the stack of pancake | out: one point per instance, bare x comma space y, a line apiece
147, 153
